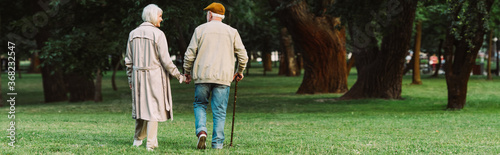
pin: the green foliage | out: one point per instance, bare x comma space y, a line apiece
463, 15
258, 28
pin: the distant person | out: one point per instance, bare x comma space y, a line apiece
209, 61
148, 65
434, 61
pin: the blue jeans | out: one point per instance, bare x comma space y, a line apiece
220, 95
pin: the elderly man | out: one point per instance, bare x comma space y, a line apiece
148, 65
209, 61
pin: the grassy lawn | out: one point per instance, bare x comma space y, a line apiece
271, 119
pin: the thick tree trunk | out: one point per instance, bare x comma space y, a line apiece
323, 45
460, 56
438, 66
54, 88
288, 63
80, 87
490, 48
380, 72
98, 86
416, 55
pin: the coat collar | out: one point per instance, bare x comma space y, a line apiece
147, 24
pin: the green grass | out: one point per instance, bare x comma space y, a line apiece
271, 119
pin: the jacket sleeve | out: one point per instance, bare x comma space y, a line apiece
129, 61
190, 54
241, 53
164, 57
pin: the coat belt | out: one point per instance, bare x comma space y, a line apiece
146, 68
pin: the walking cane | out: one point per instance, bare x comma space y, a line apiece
234, 109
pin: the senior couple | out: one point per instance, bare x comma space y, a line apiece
209, 61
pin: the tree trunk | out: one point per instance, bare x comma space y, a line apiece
98, 86
380, 72
80, 87
351, 63
460, 56
490, 48
288, 63
323, 45
54, 88
438, 66
416, 55
266, 61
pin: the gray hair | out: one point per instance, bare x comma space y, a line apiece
150, 13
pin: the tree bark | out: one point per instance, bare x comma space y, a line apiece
380, 71
460, 56
438, 66
98, 86
288, 63
490, 48
416, 55
323, 45
80, 87
54, 89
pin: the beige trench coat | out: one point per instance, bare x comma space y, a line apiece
148, 63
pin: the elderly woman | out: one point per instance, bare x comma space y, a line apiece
148, 63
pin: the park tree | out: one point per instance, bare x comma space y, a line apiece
380, 33
321, 38
81, 42
30, 30
467, 29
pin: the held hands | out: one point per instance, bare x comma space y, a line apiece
238, 76
188, 78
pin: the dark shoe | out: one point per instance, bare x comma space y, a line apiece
202, 138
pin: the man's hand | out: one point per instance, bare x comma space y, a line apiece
238, 76
188, 78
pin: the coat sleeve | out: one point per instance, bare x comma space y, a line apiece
241, 53
190, 54
129, 61
164, 57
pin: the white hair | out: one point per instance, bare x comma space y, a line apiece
217, 15
150, 13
